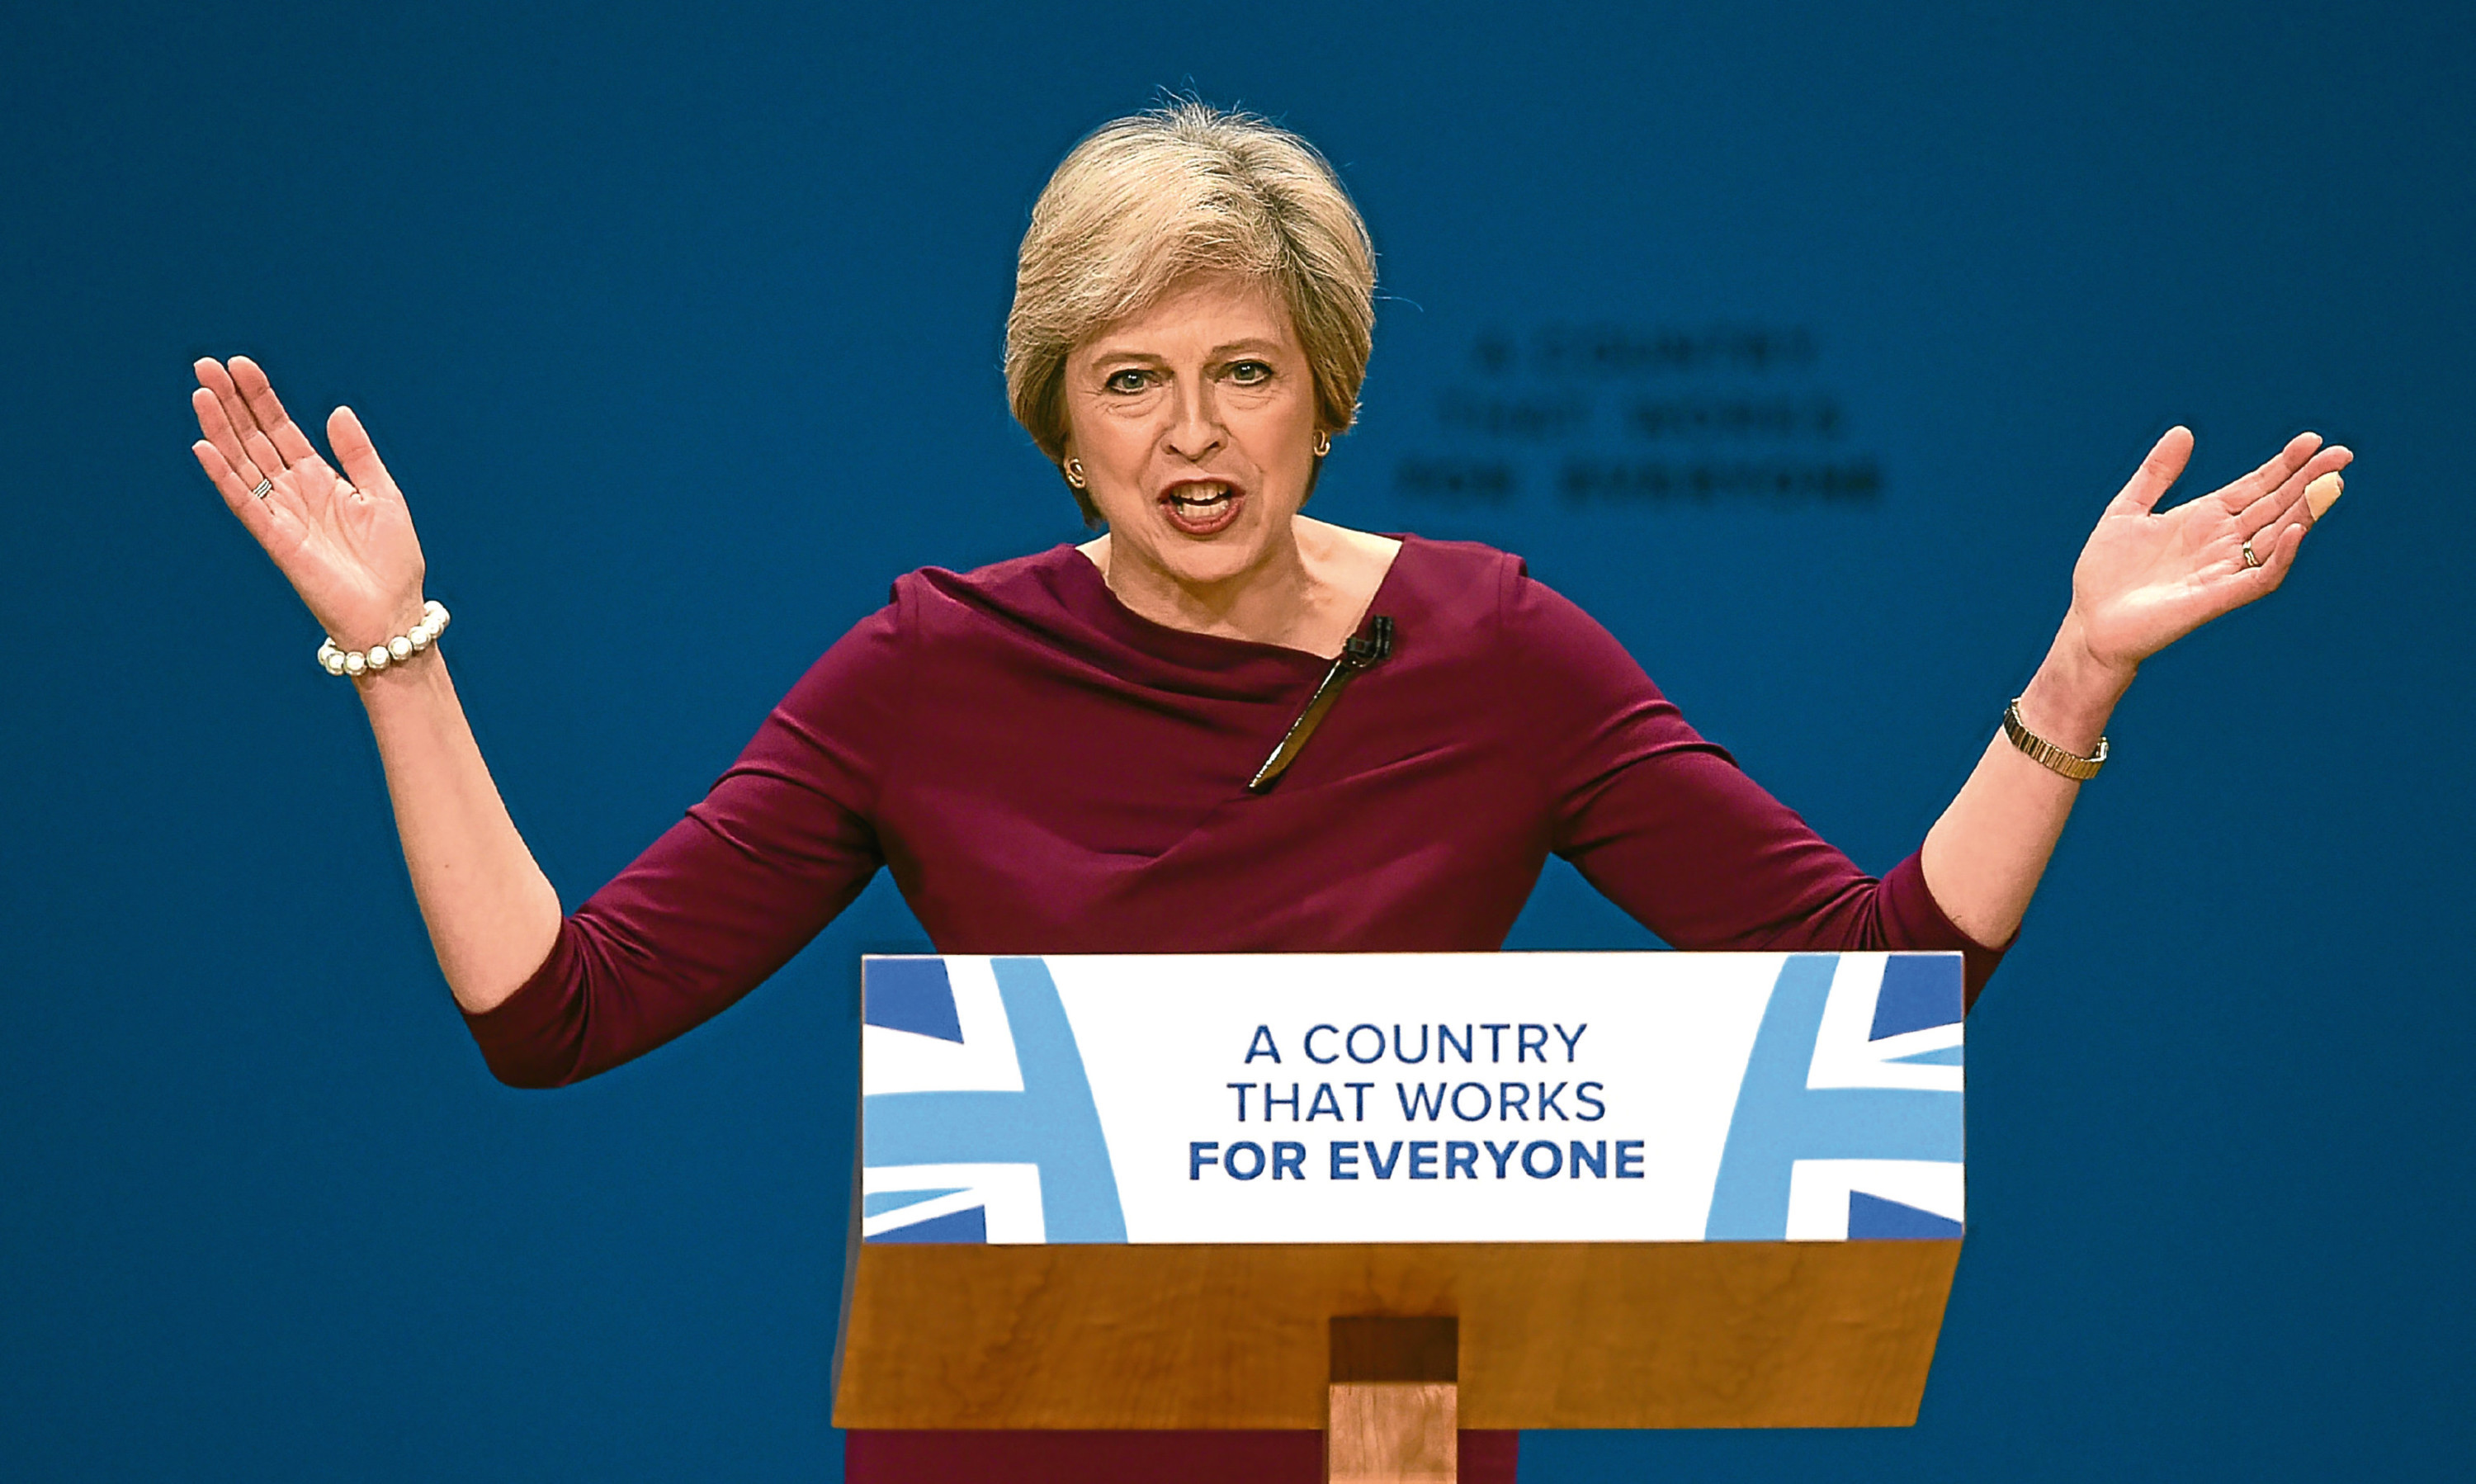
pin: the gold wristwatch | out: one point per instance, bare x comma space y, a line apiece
2071, 765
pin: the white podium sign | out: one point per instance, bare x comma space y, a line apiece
1411, 1098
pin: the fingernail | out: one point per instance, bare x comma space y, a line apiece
2323, 493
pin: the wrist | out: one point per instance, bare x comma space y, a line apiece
401, 684
2069, 700
377, 626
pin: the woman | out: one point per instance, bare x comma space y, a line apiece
1067, 753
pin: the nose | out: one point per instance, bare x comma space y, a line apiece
1194, 431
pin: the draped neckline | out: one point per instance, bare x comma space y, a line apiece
1086, 593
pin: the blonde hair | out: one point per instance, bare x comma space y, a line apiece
1149, 201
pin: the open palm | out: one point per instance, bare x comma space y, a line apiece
345, 543
2147, 577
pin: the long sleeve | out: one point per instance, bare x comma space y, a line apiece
1665, 824
776, 848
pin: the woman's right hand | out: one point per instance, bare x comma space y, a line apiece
345, 543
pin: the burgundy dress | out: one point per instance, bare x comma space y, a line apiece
1045, 772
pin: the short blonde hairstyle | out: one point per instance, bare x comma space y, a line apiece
1149, 201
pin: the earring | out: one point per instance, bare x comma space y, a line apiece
1323, 443
1075, 472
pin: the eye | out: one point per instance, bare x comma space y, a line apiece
1130, 380
1251, 373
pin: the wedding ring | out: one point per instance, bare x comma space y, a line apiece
2251, 558
264, 486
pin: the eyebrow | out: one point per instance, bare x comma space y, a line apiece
1255, 346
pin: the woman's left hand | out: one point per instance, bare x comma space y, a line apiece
2147, 577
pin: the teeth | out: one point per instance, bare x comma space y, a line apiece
1200, 495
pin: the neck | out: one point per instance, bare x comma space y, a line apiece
1269, 602
1307, 592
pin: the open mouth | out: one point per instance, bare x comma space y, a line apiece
1202, 507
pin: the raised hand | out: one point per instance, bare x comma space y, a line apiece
345, 543
2147, 577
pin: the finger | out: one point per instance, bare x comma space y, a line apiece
278, 425
222, 435
212, 376
358, 456
257, 516
2323, 493
2281, 559
234, 487
2287, 530
2158, 471
2288, 495
2320, 480
2282, 466
263, 454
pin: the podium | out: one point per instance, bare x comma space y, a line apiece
1387, 1193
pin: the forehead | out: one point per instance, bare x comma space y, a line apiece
1196, 318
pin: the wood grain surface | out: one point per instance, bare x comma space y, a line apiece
1684, 1334
1392, 1432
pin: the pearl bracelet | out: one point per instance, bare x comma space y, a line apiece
394, 651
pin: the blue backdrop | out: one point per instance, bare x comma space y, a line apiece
1800, 347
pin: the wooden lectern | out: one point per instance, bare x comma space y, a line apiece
1389, 1194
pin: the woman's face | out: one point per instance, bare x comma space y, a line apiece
1195, 423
